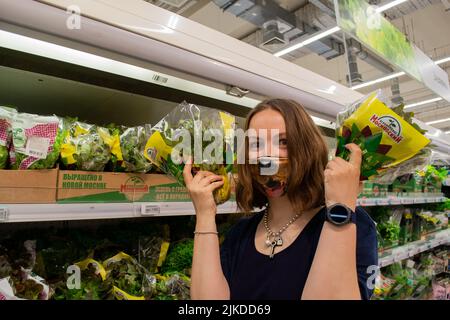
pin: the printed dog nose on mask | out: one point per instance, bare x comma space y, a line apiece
272, 174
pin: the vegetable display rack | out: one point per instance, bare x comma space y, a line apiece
411, 249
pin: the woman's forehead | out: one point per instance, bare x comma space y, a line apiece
268, 119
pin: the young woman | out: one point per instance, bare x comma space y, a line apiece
310, 241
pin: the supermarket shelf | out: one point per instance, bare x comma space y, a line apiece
411, 249
392, 201
86, 211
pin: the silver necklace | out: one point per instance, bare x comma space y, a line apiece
273, 239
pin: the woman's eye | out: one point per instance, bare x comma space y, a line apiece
283, 142
254, 145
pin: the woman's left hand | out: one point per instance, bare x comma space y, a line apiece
342, 178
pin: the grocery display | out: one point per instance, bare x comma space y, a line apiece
424, 277
126, 260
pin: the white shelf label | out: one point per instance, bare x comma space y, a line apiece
150, 209
4, 214
407, 201
382, 202
387, 261
414, 251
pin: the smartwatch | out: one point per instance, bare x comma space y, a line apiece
340, 215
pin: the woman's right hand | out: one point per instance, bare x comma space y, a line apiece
200, 188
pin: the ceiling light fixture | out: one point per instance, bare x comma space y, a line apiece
312, 39
438, 121
390, 5
420, 103
444, 60
369, 83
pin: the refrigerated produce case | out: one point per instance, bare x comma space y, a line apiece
131, 64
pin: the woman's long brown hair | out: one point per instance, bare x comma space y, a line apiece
307, 153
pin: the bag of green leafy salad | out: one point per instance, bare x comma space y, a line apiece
85, 146
6, 117
204, 134
36, 141
128, 149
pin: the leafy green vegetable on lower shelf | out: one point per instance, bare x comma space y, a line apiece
172, 286
92, 286
126, 274
179, 258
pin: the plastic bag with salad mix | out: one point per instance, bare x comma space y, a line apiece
387, 137
204, 134
128, 148
85, 146
6, 118
36, 141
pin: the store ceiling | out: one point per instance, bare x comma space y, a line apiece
425, 22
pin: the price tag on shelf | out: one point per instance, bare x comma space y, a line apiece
414, 251
425, 247
400, 254
387, 261
148, 209
382, 202
4, 214
407, 201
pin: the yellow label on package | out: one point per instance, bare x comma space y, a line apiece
97, 265
122, 295
156, 149
405, 141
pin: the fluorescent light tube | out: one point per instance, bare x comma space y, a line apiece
438, 121
390, 5
369, 83
442, 60
420, 103
307, 41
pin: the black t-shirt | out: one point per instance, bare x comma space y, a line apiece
252, 275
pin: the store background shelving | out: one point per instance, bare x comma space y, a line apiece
396, 254
84, 211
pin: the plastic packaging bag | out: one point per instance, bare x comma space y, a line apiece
173, 286
85, 146
386, 136
129, 279
36, 141
203, 125
128, 149
6, 118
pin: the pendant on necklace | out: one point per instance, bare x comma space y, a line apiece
279, 241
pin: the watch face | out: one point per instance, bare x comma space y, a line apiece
338, 215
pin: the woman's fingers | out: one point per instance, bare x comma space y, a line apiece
207, 180
355, 154
215, 185
187, 174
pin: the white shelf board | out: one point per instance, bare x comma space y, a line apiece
391, 201
85, 211
413, 248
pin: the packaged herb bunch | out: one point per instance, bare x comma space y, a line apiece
202, 134
387, 137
